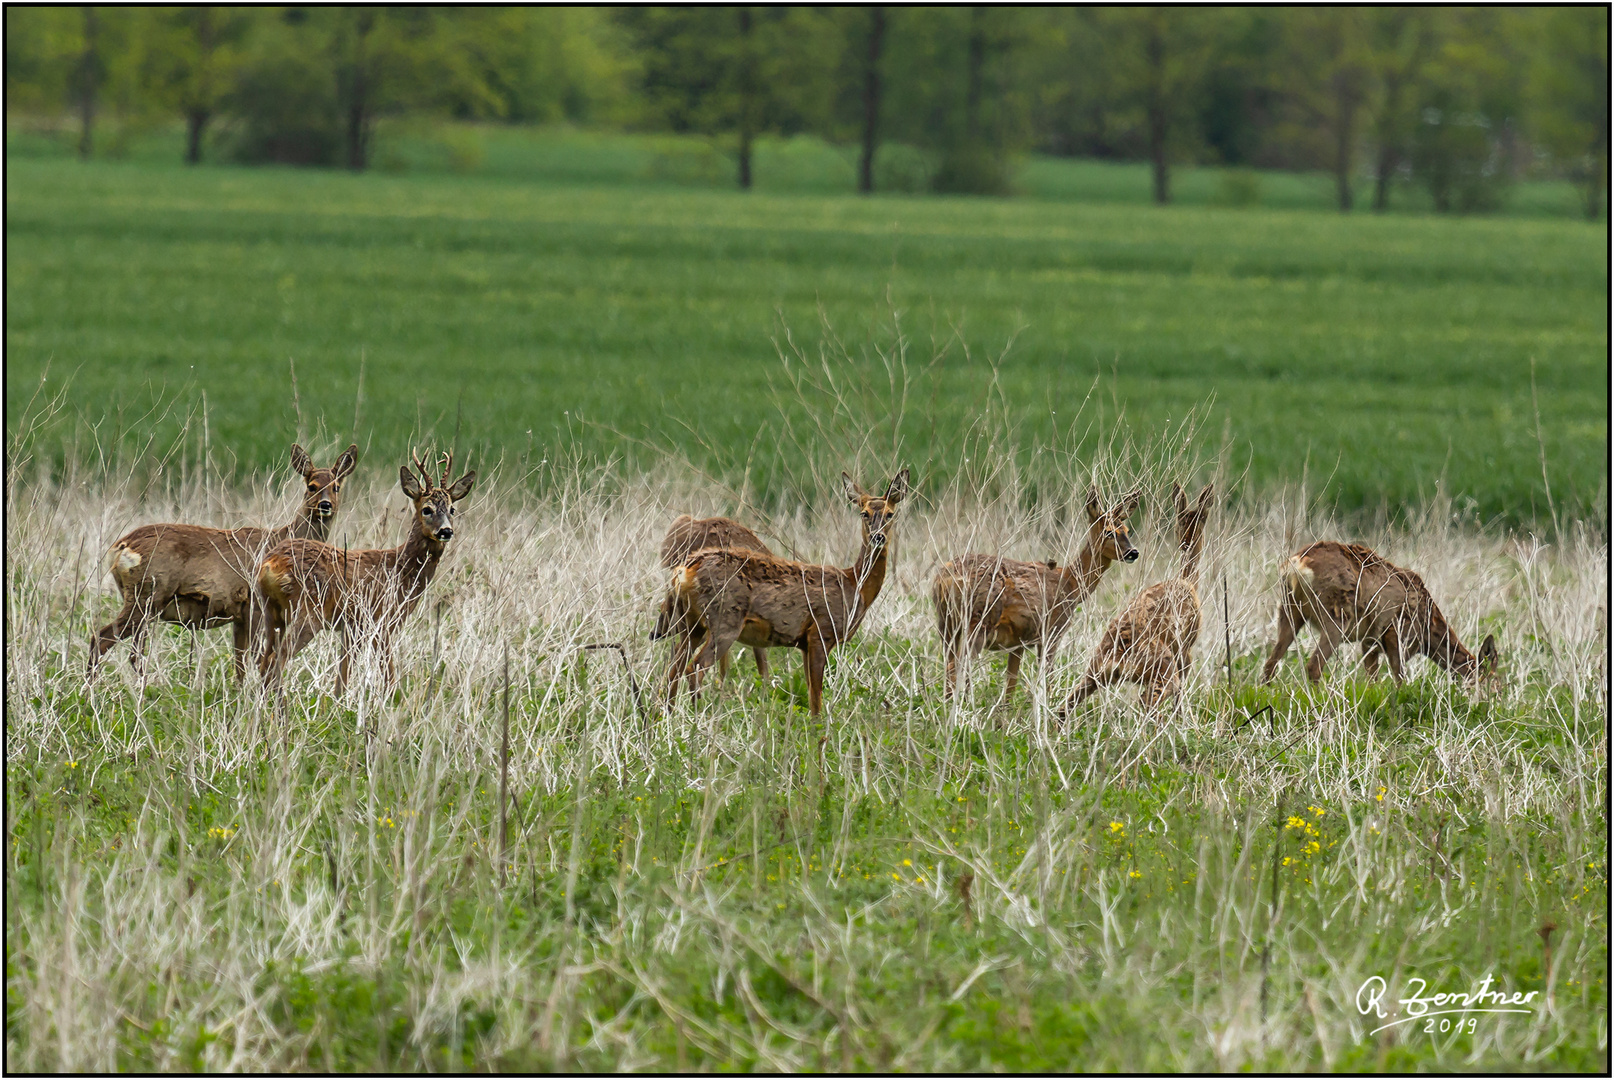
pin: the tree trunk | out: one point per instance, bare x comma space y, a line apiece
88, 76
976, 66
1344, 139
195, 123
358, 105
871, 100
1155, 50
1383, 172
1388, 152
748, 93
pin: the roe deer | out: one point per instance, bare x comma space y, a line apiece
1152, 639
201, 577
689, 535
726, 595
1352, 594
308, 586
989, 602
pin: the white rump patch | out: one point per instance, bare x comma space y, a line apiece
124, 560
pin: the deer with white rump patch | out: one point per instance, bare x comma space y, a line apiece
308, 586
201, 577
989, 602
1152, 640
723, 595
1350, 593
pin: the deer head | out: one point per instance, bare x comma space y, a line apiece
1107, 530
323, 495
434, 500
878, 511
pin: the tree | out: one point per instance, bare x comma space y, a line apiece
1400, 42
1161, 58
198, 61
1326, 80
737, 70
1569, 96
871, 98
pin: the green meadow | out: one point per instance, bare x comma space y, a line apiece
596, 296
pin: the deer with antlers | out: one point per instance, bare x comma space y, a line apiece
989, 602
201, 577
687, 536
1350, 593
1152, 640
308, 585
723, 595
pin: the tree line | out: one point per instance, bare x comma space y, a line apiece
1461, 100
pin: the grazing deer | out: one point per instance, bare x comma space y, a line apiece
1152, 639
689, 535
724, 595
1352, 594
308, 586
201, 577
989, 602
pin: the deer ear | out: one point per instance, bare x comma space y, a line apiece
898, 488
462, 487
1129, 503
1178, 499
1489, 657
300, 461
849, 486
345, 464
1207, 499
407, 481
1094, 510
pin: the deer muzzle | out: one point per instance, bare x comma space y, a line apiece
1130, 556
325, 508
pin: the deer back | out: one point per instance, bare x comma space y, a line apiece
689, 535
1008, 602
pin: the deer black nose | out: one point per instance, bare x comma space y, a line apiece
445, 533
325, 506
1131, 556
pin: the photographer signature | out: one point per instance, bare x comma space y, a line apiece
1370, 1001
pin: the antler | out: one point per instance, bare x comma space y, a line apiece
420, 467
448, 468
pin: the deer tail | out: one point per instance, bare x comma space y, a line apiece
1297, 575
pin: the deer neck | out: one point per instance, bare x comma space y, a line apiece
1190, 559
308, 526
869, 570
1082, 577
414, 562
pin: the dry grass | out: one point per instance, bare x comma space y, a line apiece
196, 882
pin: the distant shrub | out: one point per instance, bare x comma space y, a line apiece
285, 103
903, 168
1238, 187
972, 169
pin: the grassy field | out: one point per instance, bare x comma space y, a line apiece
196, 883
1382, 360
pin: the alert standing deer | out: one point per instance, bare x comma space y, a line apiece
1152, 639
689, 535
201, 577
989, 602
308, 586
1352, 594
726, 595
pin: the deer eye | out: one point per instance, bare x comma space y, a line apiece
336, 487
313, 487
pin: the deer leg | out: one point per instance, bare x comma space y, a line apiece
122, 625
1290, 620
347, 658
1085, 689
1391, 644
1013, 678
761, 656
1327, 641
719, 639
676, 665
816, 654
242, 631
1371, 655
723, 668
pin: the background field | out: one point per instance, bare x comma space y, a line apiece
538, 312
